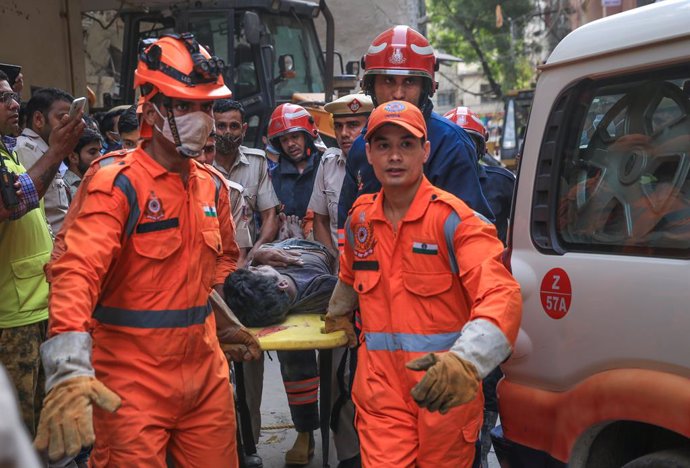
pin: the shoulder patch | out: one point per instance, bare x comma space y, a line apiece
235, 186
109, 158
253, 151
331, 153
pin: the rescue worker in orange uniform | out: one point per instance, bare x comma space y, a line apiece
131, 327
438, 309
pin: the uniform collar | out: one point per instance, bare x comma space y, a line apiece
242, 157
220, 168
426, 193
155, 169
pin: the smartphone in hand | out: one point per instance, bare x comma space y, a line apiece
77, 105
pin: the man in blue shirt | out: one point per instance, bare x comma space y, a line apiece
400, 65
292, 132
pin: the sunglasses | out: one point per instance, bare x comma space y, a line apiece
209, 148
8, 96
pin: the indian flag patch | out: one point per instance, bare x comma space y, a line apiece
424, 248
210, 211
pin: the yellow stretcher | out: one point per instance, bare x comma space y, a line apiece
299, 332
303, 332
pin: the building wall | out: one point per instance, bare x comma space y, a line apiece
358, 22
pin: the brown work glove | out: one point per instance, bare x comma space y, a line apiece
239, 344
344, 323
449, 381
66, 423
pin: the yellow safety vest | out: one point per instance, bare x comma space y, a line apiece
25, 246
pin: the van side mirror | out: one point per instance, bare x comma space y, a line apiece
252, 27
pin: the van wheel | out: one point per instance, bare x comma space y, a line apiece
674, 458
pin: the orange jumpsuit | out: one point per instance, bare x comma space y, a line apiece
417, 288
140, 259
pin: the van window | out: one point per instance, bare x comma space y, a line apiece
624, 184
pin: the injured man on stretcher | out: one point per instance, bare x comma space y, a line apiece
294, 275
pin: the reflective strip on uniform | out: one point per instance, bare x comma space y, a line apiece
302, 384
107, 161
348, 233
123, 183
303, 398
449, 227
180, 318
302, 392
410, 342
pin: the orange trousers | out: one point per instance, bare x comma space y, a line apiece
394, 432
176, 398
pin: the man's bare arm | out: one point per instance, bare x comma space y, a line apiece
322, 232
63, 139
269, 230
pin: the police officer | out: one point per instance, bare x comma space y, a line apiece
350, 115
400, 65
247, 167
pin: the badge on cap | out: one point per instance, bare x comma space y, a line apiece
395, 106
354, 105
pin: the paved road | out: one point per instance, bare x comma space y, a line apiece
276, 439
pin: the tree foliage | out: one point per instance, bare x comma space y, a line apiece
468, 29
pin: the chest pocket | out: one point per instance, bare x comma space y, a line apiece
366, 277
427, 284
156, 250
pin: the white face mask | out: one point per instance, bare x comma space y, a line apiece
193, 129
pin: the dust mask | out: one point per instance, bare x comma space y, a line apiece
193, 130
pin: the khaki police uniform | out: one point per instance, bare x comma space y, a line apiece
250, 170
240, 214
30, 147
72, 182
327, 184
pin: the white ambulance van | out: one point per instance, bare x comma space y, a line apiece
600, 243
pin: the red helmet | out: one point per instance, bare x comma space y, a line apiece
288, 118
178, 67
400, 51
464, 117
